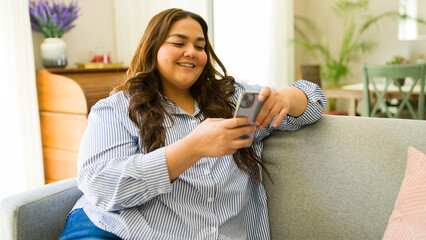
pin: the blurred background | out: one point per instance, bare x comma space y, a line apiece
251, 37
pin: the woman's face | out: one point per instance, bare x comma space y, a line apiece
181, 58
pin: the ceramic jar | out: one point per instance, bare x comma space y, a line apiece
54, 53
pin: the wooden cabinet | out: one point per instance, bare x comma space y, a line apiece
65, 97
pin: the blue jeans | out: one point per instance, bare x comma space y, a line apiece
79, 226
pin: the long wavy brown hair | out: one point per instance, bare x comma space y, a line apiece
213, 90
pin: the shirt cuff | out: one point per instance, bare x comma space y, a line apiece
313, 111
155, 173
313, 91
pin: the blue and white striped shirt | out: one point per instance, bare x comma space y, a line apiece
128, 191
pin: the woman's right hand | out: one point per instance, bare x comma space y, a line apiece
214, 137
217, 137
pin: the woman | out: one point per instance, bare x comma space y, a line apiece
161, 158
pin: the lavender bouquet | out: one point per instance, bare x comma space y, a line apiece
53, 21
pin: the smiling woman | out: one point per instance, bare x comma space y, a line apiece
181, 59
163, 152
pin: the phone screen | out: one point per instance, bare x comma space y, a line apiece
248, 106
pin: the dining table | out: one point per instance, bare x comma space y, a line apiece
354, 92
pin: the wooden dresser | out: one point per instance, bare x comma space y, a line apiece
65, 97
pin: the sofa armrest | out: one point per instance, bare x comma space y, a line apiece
40, 213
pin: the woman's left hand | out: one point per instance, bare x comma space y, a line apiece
288, 100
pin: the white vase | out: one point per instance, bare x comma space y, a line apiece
53, 53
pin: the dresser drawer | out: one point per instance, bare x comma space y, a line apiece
62, 131
59, 164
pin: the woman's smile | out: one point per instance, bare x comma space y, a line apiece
181, 58
186, 65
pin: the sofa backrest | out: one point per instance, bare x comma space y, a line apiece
338, 178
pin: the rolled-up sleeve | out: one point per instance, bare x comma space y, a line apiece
312, 113
113, 173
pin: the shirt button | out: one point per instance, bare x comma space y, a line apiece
213, 229
193, 121
209, 200
160, 191
206, 172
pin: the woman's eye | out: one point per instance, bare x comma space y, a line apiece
179, 44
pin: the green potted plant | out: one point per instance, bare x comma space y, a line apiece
398, 60
356, 21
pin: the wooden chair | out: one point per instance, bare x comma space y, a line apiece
309, 72
390, 74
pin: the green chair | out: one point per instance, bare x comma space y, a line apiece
389, 75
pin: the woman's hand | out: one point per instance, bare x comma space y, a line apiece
288, 100
212, 138
219, 137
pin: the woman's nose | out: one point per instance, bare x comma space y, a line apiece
190, 52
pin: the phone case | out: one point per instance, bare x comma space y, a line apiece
250, 111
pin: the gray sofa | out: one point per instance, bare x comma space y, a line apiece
335, 179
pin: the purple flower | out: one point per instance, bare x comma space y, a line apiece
53, 20
69, 26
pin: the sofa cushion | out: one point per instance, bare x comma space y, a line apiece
338, 178
408, 219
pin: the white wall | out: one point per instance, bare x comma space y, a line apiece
250, 39
243, 42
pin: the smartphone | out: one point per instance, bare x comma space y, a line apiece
248, 106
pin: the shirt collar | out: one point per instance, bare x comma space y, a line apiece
174, 109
